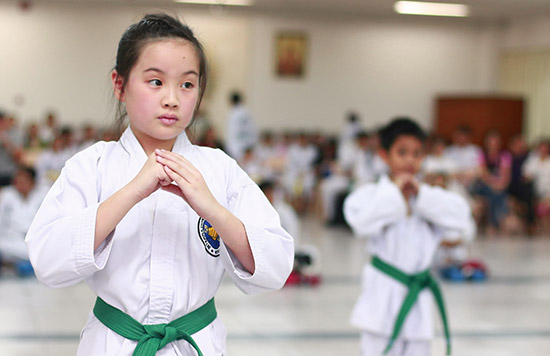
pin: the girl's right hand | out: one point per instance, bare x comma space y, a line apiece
151, 177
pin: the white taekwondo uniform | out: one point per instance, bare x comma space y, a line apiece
160, 262
406, 241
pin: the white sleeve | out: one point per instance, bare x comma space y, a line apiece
4, 211
60, 240
272, 247
372, 207
446, 210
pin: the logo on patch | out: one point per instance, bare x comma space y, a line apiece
209, 238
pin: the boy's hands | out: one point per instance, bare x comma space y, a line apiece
407, 183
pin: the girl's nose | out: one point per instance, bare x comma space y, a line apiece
170, 100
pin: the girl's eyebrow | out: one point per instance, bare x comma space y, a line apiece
153, 69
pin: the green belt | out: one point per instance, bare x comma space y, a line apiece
152, 338
416, 283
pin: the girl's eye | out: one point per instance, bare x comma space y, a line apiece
187, 85
155, 82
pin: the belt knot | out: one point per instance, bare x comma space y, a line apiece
165, 333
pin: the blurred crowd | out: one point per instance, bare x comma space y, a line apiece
508, 187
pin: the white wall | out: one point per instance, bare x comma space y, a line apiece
59, 56
527, 34
379, 69
525, 70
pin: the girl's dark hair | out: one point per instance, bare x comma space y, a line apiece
152, 28
401, 126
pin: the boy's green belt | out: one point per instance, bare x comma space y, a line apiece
152, 338
415, 283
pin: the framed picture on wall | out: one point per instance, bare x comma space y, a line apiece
290, 54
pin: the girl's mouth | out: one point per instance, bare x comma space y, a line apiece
168, 119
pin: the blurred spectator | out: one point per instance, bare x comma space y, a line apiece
241, 130
494, 178
9, 152
347, 146
209, 138
51, 161
300, 174
437, 162
465, 155
49, 130
537, 170
87, 138
270, 152
306, 258
252, 165
521, 190
19, 203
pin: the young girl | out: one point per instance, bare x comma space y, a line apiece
152, 222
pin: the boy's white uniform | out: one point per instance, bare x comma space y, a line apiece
408, 242
160, 263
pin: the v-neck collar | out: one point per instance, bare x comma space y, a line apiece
132, 146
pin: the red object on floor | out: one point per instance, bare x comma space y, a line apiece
293, 279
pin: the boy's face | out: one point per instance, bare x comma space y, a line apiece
404, 156
23, 182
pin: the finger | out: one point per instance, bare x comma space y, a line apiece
175, 177
172, 156
174, 189
176, 162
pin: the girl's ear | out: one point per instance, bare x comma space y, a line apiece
118, 85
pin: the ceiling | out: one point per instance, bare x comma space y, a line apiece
491, 10
481, 10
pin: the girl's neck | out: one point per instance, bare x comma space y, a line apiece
149, 146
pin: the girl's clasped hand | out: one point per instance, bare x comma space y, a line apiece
173, 173
189, 182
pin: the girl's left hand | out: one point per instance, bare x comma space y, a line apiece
190, 183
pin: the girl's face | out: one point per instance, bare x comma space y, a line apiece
161, 92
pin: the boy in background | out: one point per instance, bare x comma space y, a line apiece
405, 221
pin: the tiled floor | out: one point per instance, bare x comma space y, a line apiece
508, 315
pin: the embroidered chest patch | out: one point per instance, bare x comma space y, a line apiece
209, 238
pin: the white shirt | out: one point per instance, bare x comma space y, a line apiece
439, 164
466, 158
155, 265
241, 132
408, 242
301, 158
368, 167
538, 170
49, 164
16, 215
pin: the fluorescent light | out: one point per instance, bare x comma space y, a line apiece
217, 2
431, 8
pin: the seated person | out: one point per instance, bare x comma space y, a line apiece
19, 203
